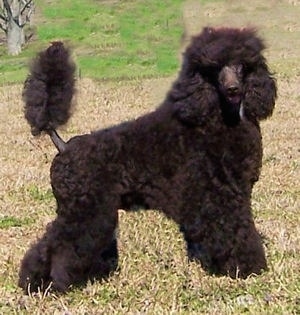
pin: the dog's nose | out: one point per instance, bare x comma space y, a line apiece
233, 89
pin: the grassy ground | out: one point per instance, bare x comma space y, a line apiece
111, 39
155, 276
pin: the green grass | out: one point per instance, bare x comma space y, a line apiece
9, 221
111, 40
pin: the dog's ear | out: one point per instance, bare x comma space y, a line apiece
260, 94
195, 100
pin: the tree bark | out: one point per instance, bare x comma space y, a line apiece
14, 14
15, 32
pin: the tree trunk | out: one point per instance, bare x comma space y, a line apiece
15, 32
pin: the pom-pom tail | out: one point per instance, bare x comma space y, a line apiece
49, 89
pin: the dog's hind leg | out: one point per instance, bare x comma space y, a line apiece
35, 268
87, 250
70, 253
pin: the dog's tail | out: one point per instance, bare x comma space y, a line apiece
48, 92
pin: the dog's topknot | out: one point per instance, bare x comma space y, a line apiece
216, 47
49, 88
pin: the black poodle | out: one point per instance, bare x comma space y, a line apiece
196, 158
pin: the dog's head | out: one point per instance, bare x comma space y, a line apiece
225, 72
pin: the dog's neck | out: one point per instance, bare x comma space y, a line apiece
232, 113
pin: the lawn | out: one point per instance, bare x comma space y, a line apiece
110, 39
155, 276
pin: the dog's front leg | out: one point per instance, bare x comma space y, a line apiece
224, 239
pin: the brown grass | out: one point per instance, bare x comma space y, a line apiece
155, 276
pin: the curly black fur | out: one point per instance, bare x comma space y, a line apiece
189, 158
205, 57
49, 89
